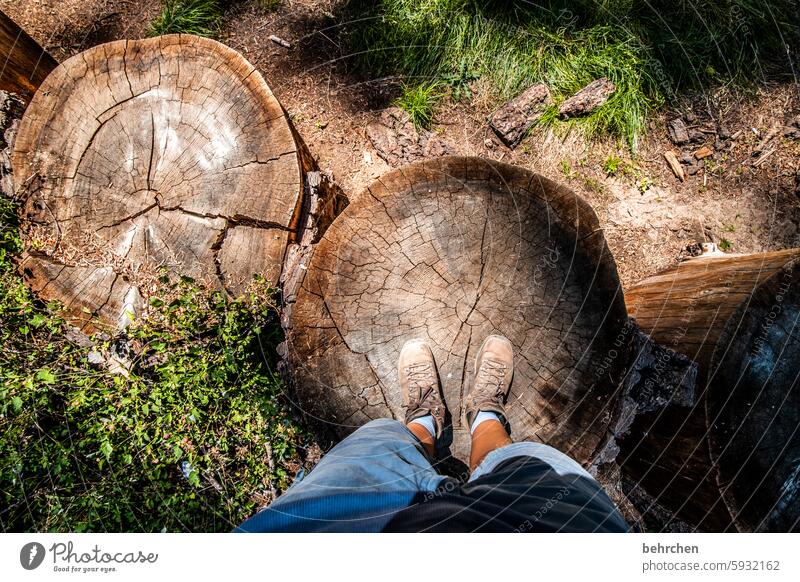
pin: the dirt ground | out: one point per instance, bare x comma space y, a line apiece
649, 216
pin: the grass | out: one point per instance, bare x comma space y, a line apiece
568, 44
199, 17
196, 437
419, 101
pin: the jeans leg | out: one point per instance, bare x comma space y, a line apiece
561, 463
380, 457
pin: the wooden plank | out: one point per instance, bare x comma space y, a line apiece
24, 63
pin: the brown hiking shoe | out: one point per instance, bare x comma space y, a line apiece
419, 383
494, 368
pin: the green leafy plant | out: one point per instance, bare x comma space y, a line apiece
459, 81
200, 17
725, 244
195, 436
612, 165
419, 102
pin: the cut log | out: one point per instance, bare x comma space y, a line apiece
686, 309
24, 64
753, 407
451, 251
138, 156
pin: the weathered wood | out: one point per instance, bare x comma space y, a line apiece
398, 142
753, 407
513, 120
23, 63
686, 309
587, 99
452, 250
135, 156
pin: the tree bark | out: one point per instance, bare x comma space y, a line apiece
686, 309
25, 64
136, 156
451, 251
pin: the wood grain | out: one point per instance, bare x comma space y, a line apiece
451, 251
167, 153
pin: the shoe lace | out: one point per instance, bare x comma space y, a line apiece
420, 378
492, 373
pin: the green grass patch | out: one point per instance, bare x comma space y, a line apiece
648, 50
194, 438
419, 101
200, 17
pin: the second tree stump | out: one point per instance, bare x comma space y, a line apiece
451, 251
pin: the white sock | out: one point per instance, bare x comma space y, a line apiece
427, 422
481, 417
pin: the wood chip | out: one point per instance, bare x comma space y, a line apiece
675, 165
280, 41
703, 152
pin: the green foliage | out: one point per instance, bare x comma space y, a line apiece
200, 17
419, 102
725, 244
571, 43
612, 165
192, 439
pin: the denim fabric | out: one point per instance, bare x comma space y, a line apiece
379, 479
382, 456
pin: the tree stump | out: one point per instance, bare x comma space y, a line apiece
686, 309
136, 156
753, 407
453, 250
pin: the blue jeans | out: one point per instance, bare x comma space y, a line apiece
383, 456
380, 479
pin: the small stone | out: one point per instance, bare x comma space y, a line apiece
723, 132
488, 143
686, 159
696, 136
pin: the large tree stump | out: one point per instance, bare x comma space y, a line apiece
136, 156
753, 407
451, 251
686, 309
23, 63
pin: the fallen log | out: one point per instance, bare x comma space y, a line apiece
686, 309
753, 407
24, 65
451, 251
136, 157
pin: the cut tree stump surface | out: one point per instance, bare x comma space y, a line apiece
753, 407
138, 155
451, 251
